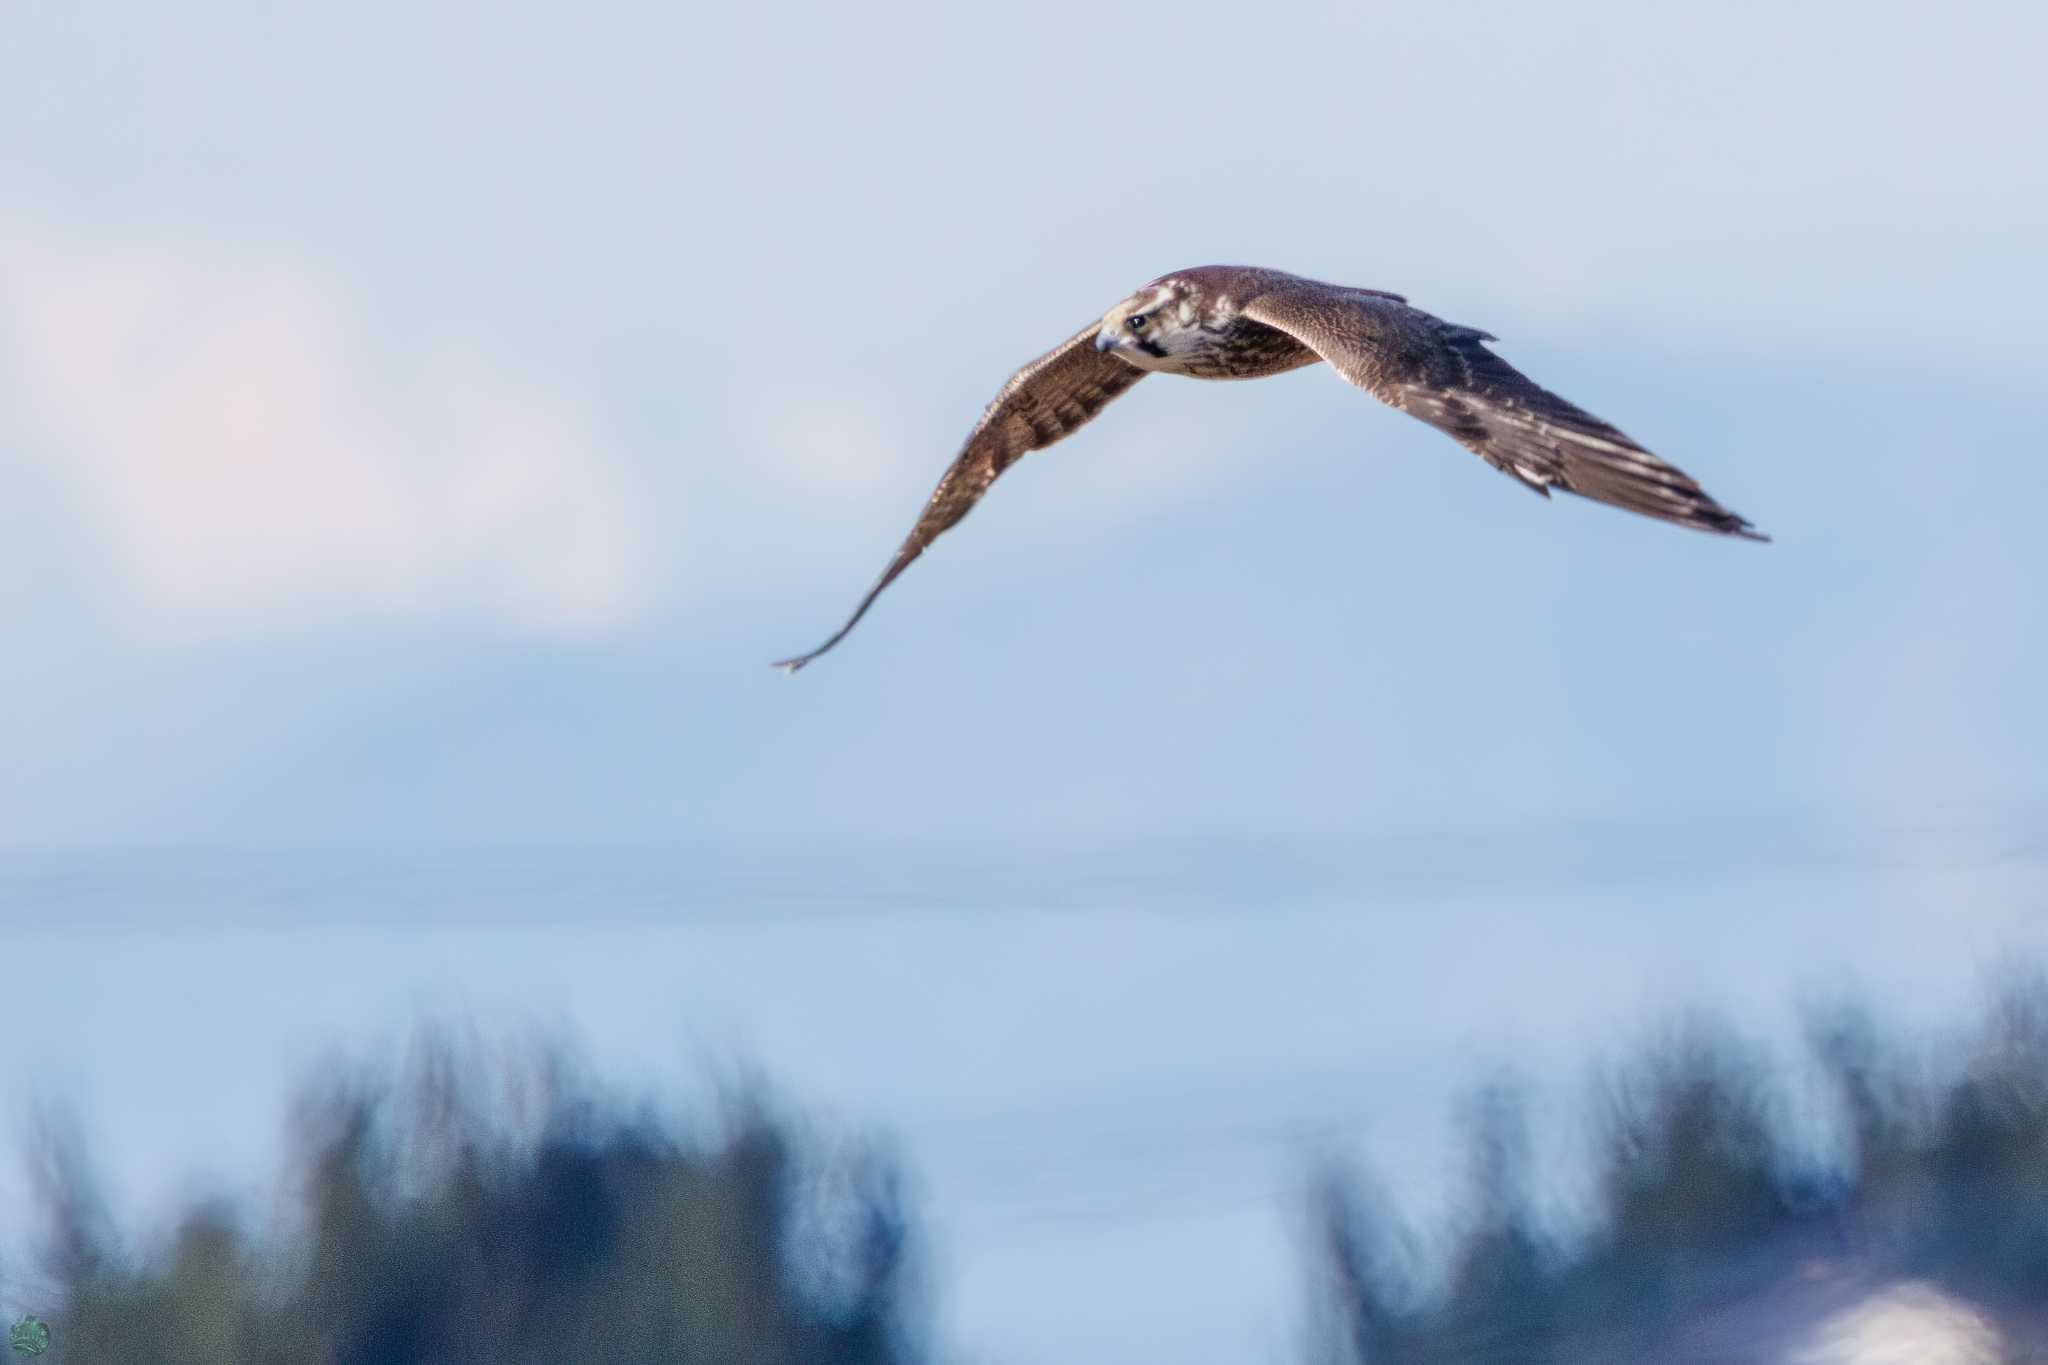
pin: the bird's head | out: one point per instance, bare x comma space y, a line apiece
1158, 328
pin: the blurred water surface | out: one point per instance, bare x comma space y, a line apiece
1108, 1069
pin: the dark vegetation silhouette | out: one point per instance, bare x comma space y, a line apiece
470, 1208
1720, 1228
490, 1209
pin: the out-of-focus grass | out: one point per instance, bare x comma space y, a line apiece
491, 1208
1705, 1211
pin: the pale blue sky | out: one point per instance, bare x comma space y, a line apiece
421, 427
426, 426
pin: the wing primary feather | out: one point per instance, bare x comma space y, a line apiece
1046, 401
1444, 374
896, 566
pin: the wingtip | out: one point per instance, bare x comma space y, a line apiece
789, 666
1724, 522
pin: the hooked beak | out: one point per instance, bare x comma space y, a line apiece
1107, 339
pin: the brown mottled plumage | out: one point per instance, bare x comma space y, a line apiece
1243, 322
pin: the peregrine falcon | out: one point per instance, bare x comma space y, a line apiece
1244, 322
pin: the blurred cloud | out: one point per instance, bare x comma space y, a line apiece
235, 443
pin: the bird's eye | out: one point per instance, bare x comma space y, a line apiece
1136, 322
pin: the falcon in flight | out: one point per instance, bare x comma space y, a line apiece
1242, 322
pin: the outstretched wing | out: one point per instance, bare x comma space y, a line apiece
1445, 375
1046, 401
